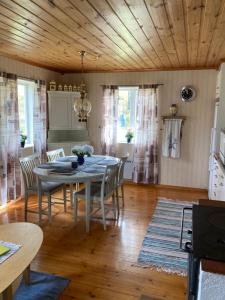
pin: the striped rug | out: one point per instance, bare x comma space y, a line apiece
160, 247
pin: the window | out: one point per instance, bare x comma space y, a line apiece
26, 102
126, 112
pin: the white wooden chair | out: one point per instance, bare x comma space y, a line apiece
53, 155
99, 193
120, 179
31, 185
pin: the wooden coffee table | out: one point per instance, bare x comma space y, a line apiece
30, 237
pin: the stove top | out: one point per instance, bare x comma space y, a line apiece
208, 236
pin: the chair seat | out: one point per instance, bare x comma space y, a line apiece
48, 186
94, 192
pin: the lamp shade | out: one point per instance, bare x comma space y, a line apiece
82, 107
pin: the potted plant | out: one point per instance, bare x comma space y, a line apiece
129, 135
81, 151
23, 138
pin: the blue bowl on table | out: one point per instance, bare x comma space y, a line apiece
74, 164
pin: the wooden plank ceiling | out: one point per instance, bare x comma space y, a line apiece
116, 34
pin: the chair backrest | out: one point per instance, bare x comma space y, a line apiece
54, 154
27, 165
109, 181
123, 160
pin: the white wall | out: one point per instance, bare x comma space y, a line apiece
25, 70
192, 169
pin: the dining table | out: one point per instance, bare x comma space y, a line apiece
29, 237
92, 169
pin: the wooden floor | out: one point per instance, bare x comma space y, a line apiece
102, 265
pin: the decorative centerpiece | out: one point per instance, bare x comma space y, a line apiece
52, 85
129, 135
81, 151
23, 138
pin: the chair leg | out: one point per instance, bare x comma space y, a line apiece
64, 197
75, 207
25, 205
122, 190
117, 203
114, 206
49, 208
71, 195
39, 201
103, 213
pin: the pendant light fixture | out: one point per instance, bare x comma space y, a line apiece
82, 106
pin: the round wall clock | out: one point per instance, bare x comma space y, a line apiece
187, 94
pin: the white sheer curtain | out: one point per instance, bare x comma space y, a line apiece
10, 183
39, 118
146, 136
109, 120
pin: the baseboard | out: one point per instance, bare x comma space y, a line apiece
184, 188
164, 186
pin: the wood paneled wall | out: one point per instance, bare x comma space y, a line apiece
192, 169
27, 70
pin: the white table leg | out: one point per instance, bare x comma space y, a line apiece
39, 200
87, 195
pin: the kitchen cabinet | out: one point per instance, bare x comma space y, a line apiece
65, 130
217, 184
61, 112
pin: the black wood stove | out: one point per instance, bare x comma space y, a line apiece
208, 241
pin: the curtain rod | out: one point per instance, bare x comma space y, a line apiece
26, 78
133, 85
30, 79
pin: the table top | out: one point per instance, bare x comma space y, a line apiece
93, 168
30, 237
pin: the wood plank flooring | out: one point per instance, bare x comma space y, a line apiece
102, 264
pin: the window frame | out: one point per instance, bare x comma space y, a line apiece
132, 111
28, 107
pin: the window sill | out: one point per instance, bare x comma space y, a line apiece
125, 143
27, 150
27, 146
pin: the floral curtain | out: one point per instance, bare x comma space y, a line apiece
39, 118
146, 136
109, 117
10, 181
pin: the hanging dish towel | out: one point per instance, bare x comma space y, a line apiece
171, 138
166, 140
175, 138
